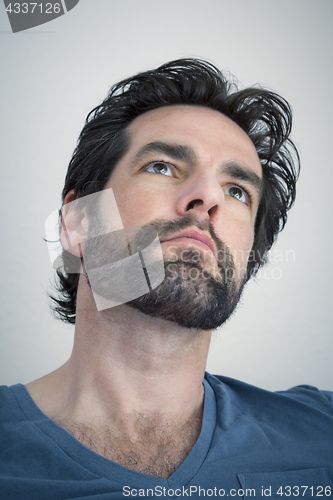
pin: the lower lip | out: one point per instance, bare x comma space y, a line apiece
190, 242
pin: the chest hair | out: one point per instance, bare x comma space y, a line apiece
157, 447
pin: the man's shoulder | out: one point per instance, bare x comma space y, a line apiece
276, 438
241, 394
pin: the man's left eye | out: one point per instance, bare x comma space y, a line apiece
238, 193
160, 167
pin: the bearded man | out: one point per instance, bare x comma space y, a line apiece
211, 171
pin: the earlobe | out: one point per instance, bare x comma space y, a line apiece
74, 228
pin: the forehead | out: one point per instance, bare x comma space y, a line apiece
212, 135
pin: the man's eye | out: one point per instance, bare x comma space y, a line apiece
238, 193
160, 167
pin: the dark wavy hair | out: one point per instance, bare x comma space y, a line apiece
264, 115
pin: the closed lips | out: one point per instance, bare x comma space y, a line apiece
204, 239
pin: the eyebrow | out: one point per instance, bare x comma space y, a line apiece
187, 154
176, 151
241, 173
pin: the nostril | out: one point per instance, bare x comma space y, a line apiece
194, 203
212, 211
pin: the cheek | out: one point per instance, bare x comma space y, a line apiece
243, 253
137, 207
240, 243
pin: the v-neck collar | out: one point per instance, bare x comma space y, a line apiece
103, 467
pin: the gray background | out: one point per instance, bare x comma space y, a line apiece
54, 74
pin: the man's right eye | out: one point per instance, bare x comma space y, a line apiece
160, 167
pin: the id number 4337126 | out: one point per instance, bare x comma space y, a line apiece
301, 491
31, 7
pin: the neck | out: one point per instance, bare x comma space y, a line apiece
125, 363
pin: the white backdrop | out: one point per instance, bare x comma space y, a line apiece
54, 74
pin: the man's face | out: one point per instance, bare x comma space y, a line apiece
194, 175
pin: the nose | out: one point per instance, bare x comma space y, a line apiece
201, 195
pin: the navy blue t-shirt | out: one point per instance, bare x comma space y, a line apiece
253, 444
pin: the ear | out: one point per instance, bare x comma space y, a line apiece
74, 225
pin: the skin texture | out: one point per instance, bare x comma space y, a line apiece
132, 388
216, 140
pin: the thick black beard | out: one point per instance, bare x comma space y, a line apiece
189, 295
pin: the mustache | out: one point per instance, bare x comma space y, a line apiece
166, 229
